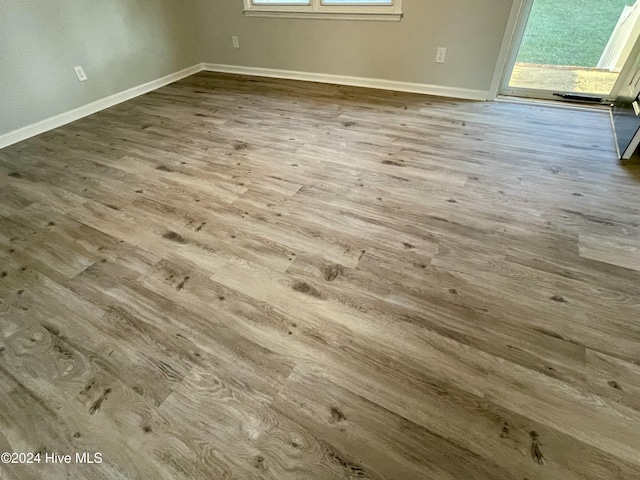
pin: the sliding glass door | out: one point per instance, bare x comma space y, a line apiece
574, 48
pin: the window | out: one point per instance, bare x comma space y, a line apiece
389, 10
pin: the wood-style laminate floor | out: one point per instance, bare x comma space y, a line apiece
240, 278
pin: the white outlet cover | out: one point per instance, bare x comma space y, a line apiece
80, 73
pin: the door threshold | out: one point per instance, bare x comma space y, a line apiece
567, 105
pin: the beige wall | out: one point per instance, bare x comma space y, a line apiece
120, 44
126, 43
472, 31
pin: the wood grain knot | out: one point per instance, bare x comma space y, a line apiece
175, 237
337, 415
182, 284
536, 452
258, 462
391, 162
61, 350
559, 299
331, 272
98, 403
53, 330
89, 386
304, 287
351, 467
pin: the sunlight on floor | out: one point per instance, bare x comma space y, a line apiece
558, 78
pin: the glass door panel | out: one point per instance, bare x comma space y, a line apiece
572, 46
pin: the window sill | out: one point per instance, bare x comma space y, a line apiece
375, 17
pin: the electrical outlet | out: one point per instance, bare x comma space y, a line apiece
80, 73
236, 43
440, 56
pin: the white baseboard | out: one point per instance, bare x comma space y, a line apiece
93, 107
438, 90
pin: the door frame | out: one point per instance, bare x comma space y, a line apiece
512, 39
629, 69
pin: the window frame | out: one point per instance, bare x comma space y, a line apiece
318, 9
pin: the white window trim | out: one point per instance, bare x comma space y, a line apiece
318, 10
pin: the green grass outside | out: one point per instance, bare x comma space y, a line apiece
569, 32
